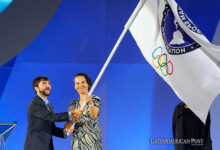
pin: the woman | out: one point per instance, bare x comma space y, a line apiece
86, 134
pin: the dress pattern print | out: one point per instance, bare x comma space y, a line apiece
87, 134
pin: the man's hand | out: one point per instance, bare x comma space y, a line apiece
74, 119
76, 112
67, 127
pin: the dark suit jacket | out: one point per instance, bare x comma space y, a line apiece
186, 125
41, 125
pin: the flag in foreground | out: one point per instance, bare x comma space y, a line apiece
179, 53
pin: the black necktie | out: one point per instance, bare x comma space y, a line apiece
50, 107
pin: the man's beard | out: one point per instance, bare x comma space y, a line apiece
45, 93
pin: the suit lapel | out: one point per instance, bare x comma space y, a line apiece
48, 106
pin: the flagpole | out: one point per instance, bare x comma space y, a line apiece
126, 27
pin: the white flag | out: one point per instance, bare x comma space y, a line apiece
175, 48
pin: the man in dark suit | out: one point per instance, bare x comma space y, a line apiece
190, 129
41, 118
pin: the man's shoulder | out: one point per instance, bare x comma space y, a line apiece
35, 100
178, 110
180, 105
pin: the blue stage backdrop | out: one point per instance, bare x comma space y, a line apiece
136, 105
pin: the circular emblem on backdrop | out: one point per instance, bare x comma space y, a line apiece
177, 42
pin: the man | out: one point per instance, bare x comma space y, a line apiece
41, 118
188, 127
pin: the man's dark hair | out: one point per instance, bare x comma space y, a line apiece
37, 80
88, 79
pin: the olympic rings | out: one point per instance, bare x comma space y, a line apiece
172, 67
165, 68
159, 60
156, 50
165, 64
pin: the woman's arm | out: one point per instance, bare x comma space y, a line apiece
94, 104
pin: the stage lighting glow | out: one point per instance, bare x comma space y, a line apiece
4, 4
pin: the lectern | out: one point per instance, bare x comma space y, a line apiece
6, 129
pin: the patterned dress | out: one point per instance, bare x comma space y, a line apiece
87, 134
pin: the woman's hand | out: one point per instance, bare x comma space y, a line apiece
89, 100
77, 112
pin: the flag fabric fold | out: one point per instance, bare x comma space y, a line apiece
179, 53
213, 51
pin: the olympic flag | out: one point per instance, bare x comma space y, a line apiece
175, 47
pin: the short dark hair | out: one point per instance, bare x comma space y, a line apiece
37, 80
88, 79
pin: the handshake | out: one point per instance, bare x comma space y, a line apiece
75, 118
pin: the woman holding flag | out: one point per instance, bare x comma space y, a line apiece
87, 134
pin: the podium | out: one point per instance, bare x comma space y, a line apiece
6, 128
